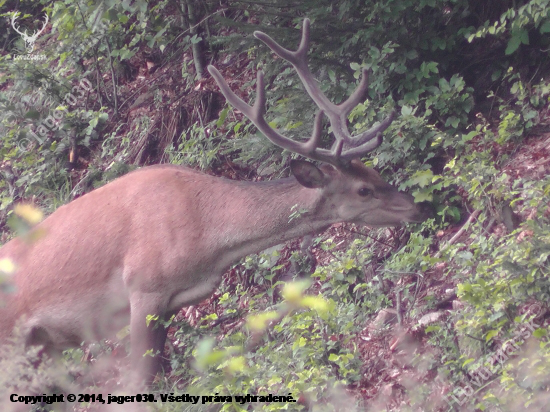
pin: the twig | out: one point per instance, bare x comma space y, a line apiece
372, 238
138, 90
474, 338
490, 225
419, 282
402, 273
223, 318
198, 24
113, 75
472, 217
398, 307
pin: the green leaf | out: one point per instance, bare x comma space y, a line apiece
223, 115
540, 333
237, 364
432, 67
423, 195
524, 36
433, 328
490, 335
513, 44
259, 322
32, 114
112, 15
469, 136
422, 178
333, 357
455, 122
545, 28
406, 110
316, 303
63, 57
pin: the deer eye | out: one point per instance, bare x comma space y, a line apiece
364, 191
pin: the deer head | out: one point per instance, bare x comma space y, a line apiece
29, 40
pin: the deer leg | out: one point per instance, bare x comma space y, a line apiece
147, 340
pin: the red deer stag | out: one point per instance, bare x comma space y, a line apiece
160, 238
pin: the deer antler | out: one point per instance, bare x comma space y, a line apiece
13, 18
24, 34
354, 145
43, 26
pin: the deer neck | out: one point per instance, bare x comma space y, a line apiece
269, 213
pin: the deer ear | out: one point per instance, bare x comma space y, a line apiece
307, 174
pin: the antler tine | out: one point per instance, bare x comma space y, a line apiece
298, 59
357, 96
13, 18
45, 23
368, 140
256, 115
